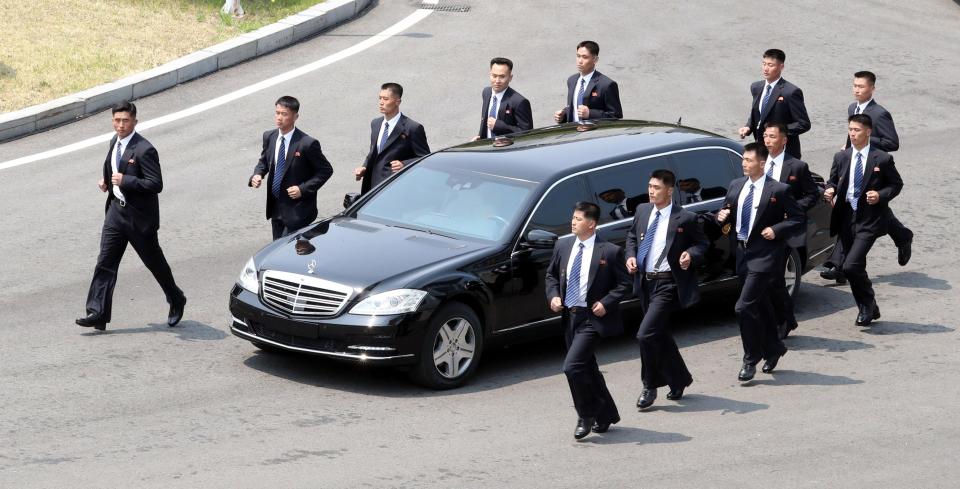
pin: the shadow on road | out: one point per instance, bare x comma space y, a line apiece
793, 377
893, 327
914, 280
832, 345
701, 403
186, 330
628, 434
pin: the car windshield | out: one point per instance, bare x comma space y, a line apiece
451, 202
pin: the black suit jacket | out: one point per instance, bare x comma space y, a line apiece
880, 174
683, 234
884, 135
786, 106
607, 282
602, 96
776, 210
513, 113
305, 166
407, 141
142, 181
796, 174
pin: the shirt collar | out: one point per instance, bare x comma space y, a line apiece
587, 77
864, 105
779, 158
289, 133
864, 151
663, 212
588, 243
758, 182
123, 142
394, 119
774, 82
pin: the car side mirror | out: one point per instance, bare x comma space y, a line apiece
349, 198
538, 239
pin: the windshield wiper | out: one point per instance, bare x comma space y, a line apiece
428, 231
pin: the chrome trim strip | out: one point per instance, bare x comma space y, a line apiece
236, 320
828, 248
557, 318
350, 356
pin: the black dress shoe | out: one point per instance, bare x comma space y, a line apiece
92, 321
747, 372
904, 252
867, 315
603, 427
675, 394
771, 363
834, 274
584, 425
176, 312
646, 398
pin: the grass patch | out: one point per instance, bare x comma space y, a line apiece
79, 44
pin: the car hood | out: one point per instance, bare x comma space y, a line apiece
361, 254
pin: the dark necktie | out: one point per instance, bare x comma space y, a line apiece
763, 103
770, 171
573, 281
857, 181
858, 109
383, 138
576, 107
745, 210
493, 107
281, 164
647, 242
116, 191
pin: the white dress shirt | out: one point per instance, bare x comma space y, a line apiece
659, 240
584, 267
498, 97
115, 162
576, 89
393, 125
757, 190
861, 107
853, 165
286, 144
763, 93
777, 165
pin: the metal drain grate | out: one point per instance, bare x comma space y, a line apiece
440, 7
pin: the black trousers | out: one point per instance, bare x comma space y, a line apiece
900, 234
119, 228
780, 297
758, 328
854, 264
660, 360
587, 386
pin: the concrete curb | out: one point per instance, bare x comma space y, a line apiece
290, 30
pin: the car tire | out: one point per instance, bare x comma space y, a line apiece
792, 272
451, 348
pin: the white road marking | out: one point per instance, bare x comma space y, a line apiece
361, 46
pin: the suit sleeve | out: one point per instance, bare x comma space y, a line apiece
483, 113
524, 117
322, 170
808, 187
263, 164
552, 278
152, 180
698, 240
884, 135
892, 179
623, 281
835, 172
798, 113
611, 104
753, 99
631, 244
795, 216
419, 142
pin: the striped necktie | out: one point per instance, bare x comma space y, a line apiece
745, 211
573, 281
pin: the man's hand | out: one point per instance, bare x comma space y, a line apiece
558, 115
722, 215
255, 181
744, 131
828, 195
768, 233
396, 165
358, 172
556, 305
685, 260
583, 112
598, 309
116, 178
294, 192
632, 265
102, 186
491, 121
873, 197
475, 138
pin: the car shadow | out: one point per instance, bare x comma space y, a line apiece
628, 434
882, 327
703, 403
914, 280
795, 377
186, 330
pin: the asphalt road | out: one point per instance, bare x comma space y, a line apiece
144, 405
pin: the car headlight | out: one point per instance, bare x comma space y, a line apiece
248, 277
393, 302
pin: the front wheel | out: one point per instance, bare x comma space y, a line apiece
792, 273
451, 348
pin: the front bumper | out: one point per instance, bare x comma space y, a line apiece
381, 340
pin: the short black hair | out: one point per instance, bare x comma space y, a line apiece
779, 125
665, 176
758, 149
501, 61
289, 102
868, 75
591, 46
589, 209
863, 119
776, 54
125, 106
394, 88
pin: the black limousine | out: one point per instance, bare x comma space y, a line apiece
448, 257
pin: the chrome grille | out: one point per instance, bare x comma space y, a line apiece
300, 295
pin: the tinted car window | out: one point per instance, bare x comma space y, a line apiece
620, 189
703, 174
555, 210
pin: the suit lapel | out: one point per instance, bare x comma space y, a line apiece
591, 87
671, 232
785, 170
774, 96
868, 171
594, 263
294, 142
127, 154
762, 205
395, 133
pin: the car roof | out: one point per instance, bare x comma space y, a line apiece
544, 154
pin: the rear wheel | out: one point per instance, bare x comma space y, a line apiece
792, 272
451, 348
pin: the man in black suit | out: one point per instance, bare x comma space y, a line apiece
784, 168
297, 170
663, 244
132, 180
883, 137
777, 100
590, 94
762, 215
625, 206
586, 282
395, 140
864, 180
509, 112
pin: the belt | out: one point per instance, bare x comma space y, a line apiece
122, 203
658, 275
578, 309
